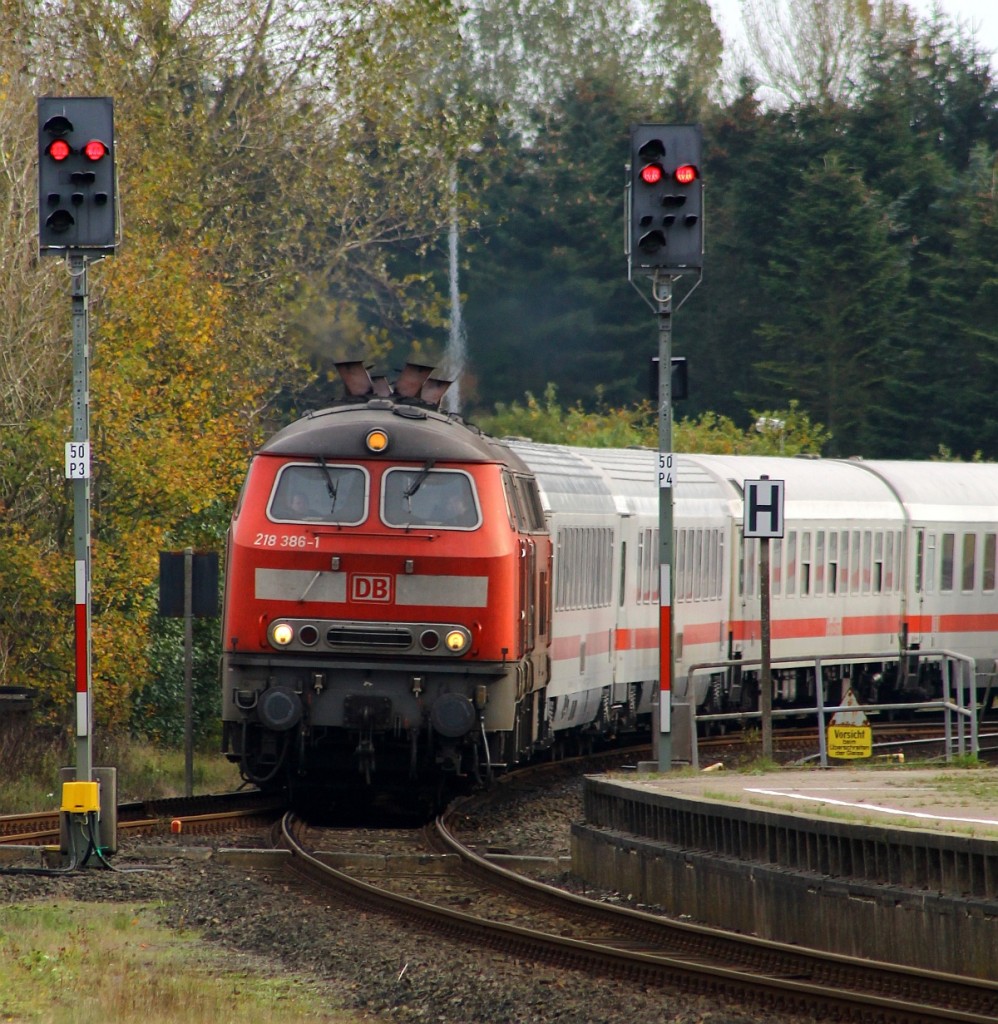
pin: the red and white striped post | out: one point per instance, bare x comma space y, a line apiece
662, 292
78, 470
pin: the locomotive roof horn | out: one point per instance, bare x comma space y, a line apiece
414, 382
381, 386
356, 379
433, 389
411, 380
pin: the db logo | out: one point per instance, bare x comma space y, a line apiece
371, 588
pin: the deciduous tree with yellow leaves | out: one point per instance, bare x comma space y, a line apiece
268, 155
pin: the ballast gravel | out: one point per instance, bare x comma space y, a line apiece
367, 963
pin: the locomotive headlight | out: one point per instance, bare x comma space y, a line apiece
282, 634
457, 641
377, 441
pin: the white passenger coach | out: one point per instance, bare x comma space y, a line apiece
876, 556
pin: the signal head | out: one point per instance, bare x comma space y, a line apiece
652, 174
76, 175
95, 150
59, 149
665, 197
686, 174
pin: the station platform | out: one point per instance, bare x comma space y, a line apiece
891, 863
963, 801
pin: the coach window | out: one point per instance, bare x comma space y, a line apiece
692, 538
878, 562
680, 564
867, 560
606, 575
692, 541
889, 561
845, 561
649, 566
561, 572
423, 497
576, 547
833, 562
751, 561
591, 581
946, 566
692, 563
929, 563
919, 560
656, 574
969, 560
791, 587
697, 573
805, 563
776, 566
715, 563
319, 493
643, 582
819, 562
855, 570
989, 562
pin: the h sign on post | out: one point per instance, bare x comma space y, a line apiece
763, 508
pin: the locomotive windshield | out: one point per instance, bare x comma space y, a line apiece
429, 497
319, 493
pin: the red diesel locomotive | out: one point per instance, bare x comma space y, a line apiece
386, 584
408, 601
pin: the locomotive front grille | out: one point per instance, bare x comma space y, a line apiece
375, 638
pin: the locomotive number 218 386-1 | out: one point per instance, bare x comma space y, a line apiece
285, 540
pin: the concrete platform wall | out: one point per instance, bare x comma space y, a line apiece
901, 895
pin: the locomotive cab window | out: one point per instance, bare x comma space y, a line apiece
530, 502
319, 493
429, 497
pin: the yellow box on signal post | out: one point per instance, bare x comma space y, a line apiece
80, 797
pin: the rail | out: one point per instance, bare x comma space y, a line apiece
958, 703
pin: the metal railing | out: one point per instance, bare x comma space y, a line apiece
958, 702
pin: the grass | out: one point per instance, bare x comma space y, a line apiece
30, 759
66, 962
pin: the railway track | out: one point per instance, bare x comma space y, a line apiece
202, 815
433, 879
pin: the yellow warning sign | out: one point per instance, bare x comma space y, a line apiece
850, 741
849, 732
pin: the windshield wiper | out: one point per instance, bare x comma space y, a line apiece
330, 483
417, 482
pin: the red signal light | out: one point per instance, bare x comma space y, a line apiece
652, 174
686, 174
59, 149
95, 150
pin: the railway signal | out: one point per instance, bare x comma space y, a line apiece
77, 220
76, 175
665, 230
664, 240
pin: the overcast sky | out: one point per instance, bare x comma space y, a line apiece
980, 15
